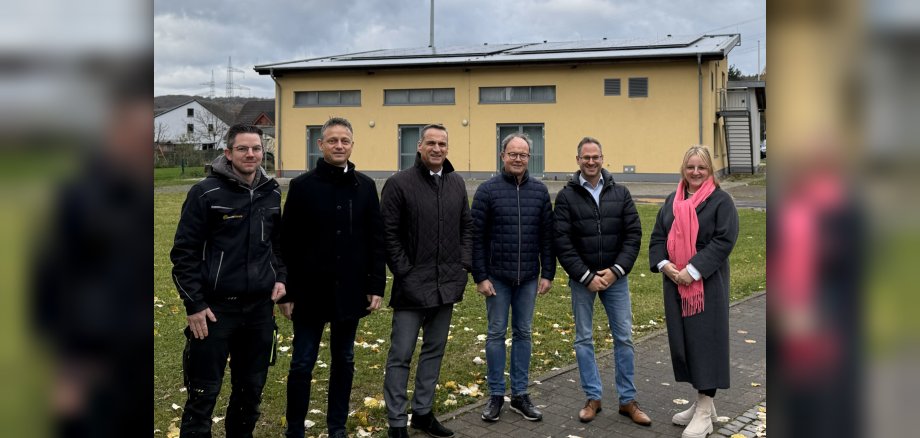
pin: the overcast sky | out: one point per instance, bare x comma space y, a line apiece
194, 38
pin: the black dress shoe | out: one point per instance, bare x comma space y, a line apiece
494, 408
397, 432
429, 424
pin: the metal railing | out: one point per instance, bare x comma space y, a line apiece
727, 102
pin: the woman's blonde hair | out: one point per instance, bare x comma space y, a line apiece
702, 152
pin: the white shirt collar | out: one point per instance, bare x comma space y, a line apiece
583, 181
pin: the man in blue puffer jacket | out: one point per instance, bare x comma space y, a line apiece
512, 263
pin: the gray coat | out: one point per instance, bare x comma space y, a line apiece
699, 343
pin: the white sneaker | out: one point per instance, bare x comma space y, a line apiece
701, 424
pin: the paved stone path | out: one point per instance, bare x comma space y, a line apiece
559, 394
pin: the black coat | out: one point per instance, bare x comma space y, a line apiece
591, 238
226, 243
699, 343
332, 241
428, 234
513, 230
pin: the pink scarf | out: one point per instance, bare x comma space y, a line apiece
682, 242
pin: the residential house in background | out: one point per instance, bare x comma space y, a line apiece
261, 113
197, 122
742, 112
647, 101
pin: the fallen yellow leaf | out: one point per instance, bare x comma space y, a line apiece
173, 431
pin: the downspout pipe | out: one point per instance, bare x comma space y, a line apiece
279, 169
699, 81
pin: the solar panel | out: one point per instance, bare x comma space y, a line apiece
420, 52
621, 44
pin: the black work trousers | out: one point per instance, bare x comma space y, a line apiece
245, 335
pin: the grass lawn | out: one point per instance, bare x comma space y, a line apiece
552, 334
170, 176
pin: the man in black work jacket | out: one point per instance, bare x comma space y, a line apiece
332, 241
227, 270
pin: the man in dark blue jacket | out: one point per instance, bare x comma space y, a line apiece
332, 241
512, 263
598, 235
227, 270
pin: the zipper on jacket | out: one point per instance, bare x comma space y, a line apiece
600, 236
262, 226
350, 219
437, 254
519, 234
219, 264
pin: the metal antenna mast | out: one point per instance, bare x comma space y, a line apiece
230, 71
210, 85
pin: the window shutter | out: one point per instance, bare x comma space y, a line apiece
638, 87
611, 87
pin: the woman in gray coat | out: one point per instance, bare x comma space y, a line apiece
694, 234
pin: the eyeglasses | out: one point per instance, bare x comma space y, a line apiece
517, 156
333, 141
245, 149
592, 158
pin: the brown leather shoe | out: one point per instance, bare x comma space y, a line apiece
587, 413
632, 411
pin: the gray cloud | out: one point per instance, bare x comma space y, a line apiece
193, 38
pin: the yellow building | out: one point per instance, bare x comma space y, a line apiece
646, 101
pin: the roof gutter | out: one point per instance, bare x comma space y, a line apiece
279, 168
699, 81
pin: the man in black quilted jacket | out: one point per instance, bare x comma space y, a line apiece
228, 271
512, 263
598, 235
428, 234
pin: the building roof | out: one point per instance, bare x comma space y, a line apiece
707, 46
252, 109
214, 108
747, 84
759, 88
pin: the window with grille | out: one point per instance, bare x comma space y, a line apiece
535, 131
314, 133
419, 96
409, 135
530, 94
327, 98
638, 87
612, 87
190, 112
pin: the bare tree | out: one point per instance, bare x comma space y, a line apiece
160, 136
209, 128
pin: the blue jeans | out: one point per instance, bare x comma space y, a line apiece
521, 300
307, 336
616, 302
